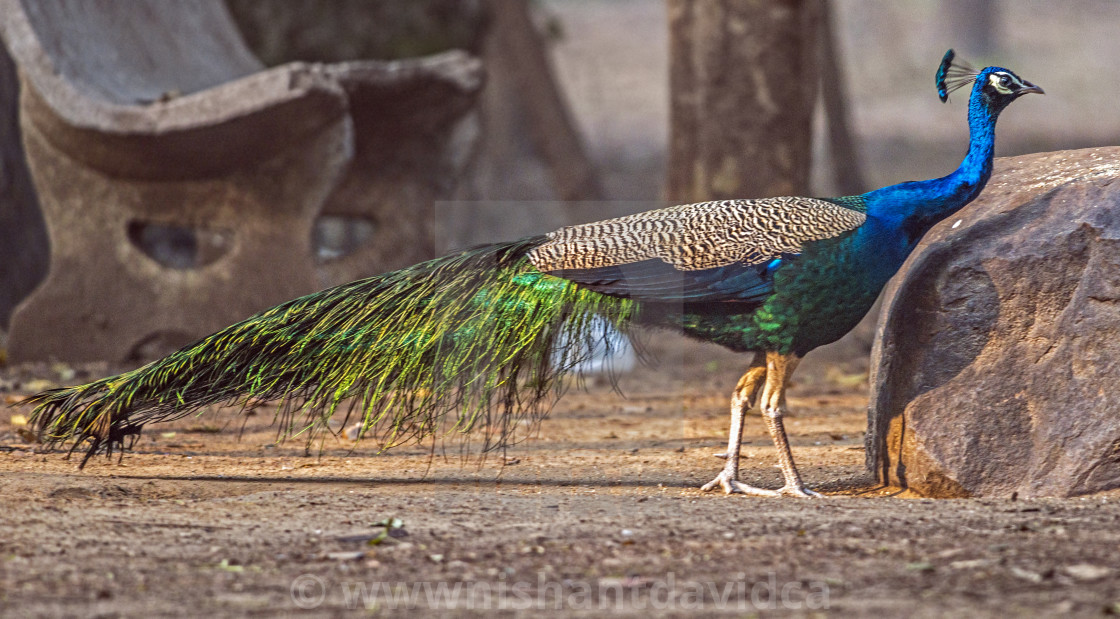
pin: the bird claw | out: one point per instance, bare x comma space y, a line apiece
733, 486
800, 492
730, 485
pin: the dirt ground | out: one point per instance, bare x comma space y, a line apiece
600, 513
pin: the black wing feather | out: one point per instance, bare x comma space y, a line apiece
658, 281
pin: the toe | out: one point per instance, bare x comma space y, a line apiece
800, 492
733, 486
741, 488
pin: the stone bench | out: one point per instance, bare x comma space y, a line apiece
181, 181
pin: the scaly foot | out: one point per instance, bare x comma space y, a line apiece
730, 485
799, 491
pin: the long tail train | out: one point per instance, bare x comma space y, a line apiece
471, 334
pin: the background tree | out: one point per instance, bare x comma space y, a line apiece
524, 97
743, 82
844, 160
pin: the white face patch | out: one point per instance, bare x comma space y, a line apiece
1002, 82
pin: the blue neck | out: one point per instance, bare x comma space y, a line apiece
917, 205
976, 168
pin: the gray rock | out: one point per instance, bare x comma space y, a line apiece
997, 361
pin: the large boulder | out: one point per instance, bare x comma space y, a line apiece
996, 368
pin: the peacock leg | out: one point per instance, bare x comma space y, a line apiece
742, 400
778, 370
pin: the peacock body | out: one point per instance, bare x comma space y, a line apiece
471, 335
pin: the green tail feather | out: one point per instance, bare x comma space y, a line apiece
470, 335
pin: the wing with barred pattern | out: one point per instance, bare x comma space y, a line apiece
710, 251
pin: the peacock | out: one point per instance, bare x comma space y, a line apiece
468, 341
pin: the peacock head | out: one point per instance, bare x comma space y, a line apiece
993, 87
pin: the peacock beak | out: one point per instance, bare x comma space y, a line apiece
1029, 87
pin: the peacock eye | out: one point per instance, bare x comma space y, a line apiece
1005, 80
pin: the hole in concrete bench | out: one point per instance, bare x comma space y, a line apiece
179, 247
336, 236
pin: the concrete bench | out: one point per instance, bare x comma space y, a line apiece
181, 181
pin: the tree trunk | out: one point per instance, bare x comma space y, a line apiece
519, 56
844, 157
743, 82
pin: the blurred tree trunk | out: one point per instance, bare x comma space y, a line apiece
844, 158
519, 52
743, 82
531, 148
24, 247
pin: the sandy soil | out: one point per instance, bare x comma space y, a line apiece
599, 513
